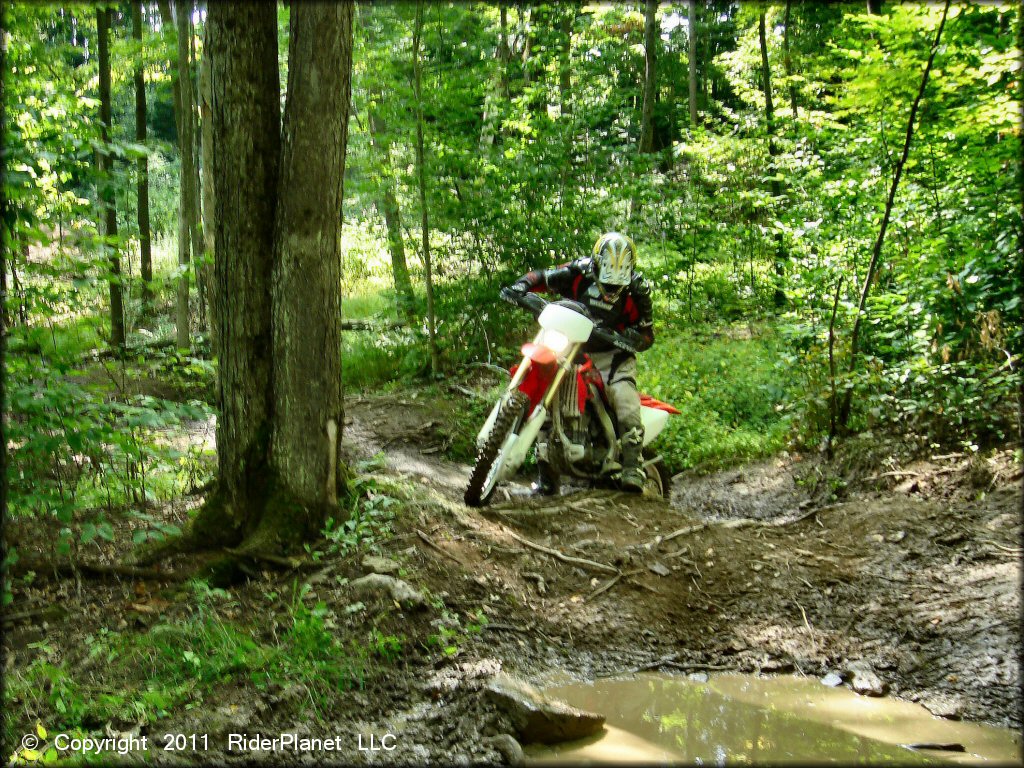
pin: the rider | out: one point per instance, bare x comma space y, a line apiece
618, 299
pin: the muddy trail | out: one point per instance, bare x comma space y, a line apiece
746, 570
907, 574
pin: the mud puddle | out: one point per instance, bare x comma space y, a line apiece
733, 718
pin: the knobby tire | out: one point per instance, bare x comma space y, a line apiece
508, 418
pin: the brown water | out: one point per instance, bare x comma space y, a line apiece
734, 718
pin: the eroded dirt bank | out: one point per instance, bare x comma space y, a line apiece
912, 568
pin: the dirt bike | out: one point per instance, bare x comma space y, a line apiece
555, 381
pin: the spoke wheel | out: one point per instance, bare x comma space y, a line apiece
658, 482
491, 460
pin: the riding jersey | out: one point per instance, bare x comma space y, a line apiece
630, 310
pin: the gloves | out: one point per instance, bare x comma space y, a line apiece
514, 293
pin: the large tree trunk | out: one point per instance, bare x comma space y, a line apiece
650, 76
691, 16
435, 363
245, 117
392, 214
142, 167
769, 111
106, 182
208, 202
308, 414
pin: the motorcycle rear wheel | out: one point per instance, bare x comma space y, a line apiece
658, 482
491, 459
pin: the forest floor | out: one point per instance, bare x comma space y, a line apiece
790, 565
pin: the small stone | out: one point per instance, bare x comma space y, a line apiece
832, 679
658, 568
698, 677
863, 679
896, 538
396, 589
381, 565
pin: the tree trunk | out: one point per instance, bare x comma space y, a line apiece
504, 54
196, 214
435, 363
308, 413
692, 20
106, 182
650, 77
875, 7
142, 168
208, 201
389, 209
876, 253
766, 82
787, 61
184, 131
565, 62
245, 117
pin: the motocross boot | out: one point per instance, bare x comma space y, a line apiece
633, 476
546, 483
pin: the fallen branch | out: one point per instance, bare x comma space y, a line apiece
742, 522
496, 627
430, 543
366, 325
565, 558
602, 589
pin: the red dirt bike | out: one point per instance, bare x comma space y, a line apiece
556, 383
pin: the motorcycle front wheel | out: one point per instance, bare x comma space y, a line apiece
491, 459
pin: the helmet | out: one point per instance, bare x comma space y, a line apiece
614, 260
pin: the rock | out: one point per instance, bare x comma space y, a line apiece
396, 589
832, 679
507, 747
864, 680
381, 565
942, 705
698, 677
537, 718
897, 537
658, 568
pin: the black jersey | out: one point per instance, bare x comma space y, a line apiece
575, 280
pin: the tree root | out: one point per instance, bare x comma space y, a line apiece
45, 568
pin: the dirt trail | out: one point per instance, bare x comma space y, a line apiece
748, 571
914, 570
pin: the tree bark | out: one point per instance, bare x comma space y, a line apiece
245, 153
875, 7
196, 214
142, 168
388, 205
308, 413
435, 363
787, 61
876, 253
183, 123
692, 22
117, 338
650, 77
766, 82
208, 200
565, 61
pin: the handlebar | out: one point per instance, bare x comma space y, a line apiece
535, 304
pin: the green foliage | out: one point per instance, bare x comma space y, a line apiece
733, 393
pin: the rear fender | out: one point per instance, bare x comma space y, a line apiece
654, 420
